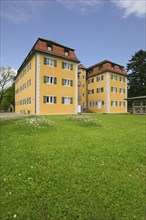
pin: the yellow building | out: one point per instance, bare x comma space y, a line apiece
82, 87
106, 88
47, 80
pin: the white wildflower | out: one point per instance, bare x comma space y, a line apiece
15, 216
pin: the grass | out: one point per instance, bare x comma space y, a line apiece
71, 171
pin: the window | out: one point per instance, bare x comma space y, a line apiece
122, 104
113, 89
98, 90
90, 72
29, 67
83, 94
29, 100
113, 77
100, 67
91, 80
99, 78
113, 66
144, 103
49, 47
121, 68
66, 52
83, 77
67, 66
122, 90
29, 83
83, 85
50, 80
50, 99
67, 100
67, 82
50, 62
114, 103
91, 91
122, 79
136, 103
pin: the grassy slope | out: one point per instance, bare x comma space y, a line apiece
74, 172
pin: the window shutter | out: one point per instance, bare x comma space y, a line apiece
55, 99
71, 82
44, 79
45, 99
71, 66
62, 81
62, 65
71, 100
62, 100
45, 60
55, 80
55, 63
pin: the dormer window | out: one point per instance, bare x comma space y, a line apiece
66, 52
49, 47
100, 67
121, 68
113, 66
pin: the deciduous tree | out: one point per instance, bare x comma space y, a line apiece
137, 74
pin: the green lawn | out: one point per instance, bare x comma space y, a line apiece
72, 171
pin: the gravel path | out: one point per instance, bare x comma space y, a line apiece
11, 115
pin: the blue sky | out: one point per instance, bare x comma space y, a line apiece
96, 29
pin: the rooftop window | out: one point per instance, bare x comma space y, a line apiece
66, 52
49, 47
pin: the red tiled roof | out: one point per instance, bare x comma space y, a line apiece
81, 66
106, 66
41, 45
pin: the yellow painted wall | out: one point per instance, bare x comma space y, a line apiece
82, 90
97, 96
58, 89
118, 96
27, 92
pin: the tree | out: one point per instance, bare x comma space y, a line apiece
6, 78
137, 75
8, 98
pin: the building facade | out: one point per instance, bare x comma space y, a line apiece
106, 88
47, 80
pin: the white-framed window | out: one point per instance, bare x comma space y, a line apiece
91, 91
113, 89
122, 79
113, 77
49, 47
50, 80
67, 100
83, 77
112, 66
122, 90
99, 90
66, 52
28, 67
29, 83
99, 78
91, 80
67, 82
50, 62
122, 104
28, 100
114, 103
67, 66
50, 99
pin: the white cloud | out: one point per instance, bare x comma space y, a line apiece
82, 6
21, 10
136, 7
